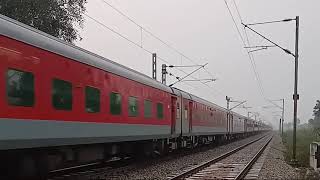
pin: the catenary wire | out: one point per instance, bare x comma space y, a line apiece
155, 36
146, 50
251, 59
248, 42
235, 4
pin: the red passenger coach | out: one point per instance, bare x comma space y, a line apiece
62, 105
55, 103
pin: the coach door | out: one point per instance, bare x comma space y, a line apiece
178, 115
190, 115
245, 125
173, 114
185, 117
230, 123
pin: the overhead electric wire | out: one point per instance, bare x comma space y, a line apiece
155, 36
179, 80
249, 52
234, 21
114, 31
235, 4
159, 39
251, 58
146, 50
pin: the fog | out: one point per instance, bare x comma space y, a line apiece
204, 32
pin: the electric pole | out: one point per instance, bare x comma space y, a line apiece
154, 66
164, 74
228, 111
282, 117
280, 126
296, 57
296, 95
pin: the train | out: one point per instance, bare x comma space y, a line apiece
63, 105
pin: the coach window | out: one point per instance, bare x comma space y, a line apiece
61, 94
160, 110
133, 106
92, 100
178, 111
147, 108
115, 103
186, 113
20, 88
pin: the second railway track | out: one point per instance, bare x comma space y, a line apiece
234, 164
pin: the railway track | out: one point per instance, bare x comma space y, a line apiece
234, 164
99, 171
85, 171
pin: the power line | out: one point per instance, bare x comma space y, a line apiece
114, 31
251, 58
250, 55
155, 36
137, 45
179, 80
235, 4
234, 21
163, 42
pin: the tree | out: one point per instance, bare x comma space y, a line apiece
58, 18
315, 122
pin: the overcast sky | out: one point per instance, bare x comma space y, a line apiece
204, 31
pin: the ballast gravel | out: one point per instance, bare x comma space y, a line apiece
275, 166
162, 169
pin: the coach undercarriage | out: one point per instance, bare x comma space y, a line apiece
40, 162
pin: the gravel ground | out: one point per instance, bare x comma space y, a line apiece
245, 155
161, 170
232, 165
275, 167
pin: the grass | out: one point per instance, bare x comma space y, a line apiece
305, 136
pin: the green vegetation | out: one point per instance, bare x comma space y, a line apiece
305, 136
55, 17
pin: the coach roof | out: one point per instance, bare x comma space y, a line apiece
21, 32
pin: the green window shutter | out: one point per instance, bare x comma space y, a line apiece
92, 99
160, 110
147, 108
20, 88
115, 103
61, 94
133, 106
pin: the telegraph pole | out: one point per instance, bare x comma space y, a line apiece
296, 95
280, 126
164, 74
228, 111
282, 117
228, 102
154, 66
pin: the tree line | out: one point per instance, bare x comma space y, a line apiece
59, 18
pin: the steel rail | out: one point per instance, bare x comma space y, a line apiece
247, 168
210, 162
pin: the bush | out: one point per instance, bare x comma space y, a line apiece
305, 136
